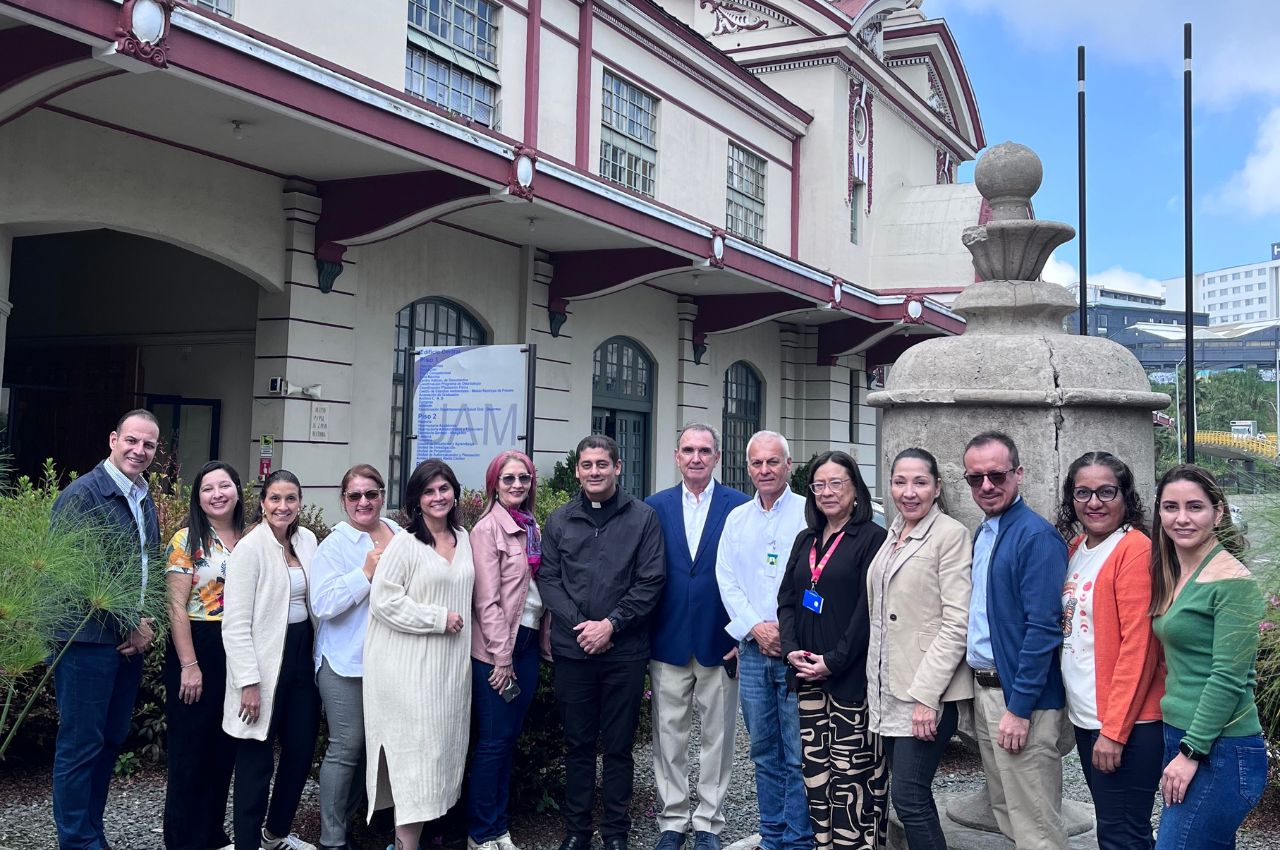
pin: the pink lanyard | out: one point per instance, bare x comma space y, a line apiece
815, 566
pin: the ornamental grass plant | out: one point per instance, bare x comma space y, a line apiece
55, 577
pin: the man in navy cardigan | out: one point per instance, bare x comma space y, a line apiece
97, 680
690, 646
1015, 634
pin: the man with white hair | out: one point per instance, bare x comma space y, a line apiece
754, 548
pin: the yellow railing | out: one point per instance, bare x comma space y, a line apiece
1262, 445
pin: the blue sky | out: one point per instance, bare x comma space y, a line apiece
1021, 58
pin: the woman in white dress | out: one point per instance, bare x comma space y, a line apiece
417, 659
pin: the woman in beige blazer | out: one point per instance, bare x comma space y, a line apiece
918, 590
271, 688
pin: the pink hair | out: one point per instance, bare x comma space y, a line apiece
495, 469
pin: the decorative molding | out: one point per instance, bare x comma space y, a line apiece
861, 166
870, 36
946, 166
730, 17
524, 169
143, 31
328, 264
938, 99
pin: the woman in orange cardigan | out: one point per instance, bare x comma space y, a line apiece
1110, 658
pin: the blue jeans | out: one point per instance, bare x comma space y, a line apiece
1123, 800
1227, 785
498, 724
95, 687
912, 766
773, 723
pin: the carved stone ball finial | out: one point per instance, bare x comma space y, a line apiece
1007, 176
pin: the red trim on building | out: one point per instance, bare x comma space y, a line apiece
532, 71
795, 199
940, 29
792, 42
582, 143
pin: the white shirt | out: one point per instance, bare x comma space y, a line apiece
1078, 668
696, 508
135, 493
340, 598
297, 595
752, 558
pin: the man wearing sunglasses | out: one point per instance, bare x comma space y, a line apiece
1015, 633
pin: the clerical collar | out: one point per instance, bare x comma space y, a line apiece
607, 503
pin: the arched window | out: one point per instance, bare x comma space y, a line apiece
742, 392
622, 402
427, 321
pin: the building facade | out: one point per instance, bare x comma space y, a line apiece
695, 210
1244, 293
1111, 311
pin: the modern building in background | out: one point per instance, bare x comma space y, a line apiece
1244, 293
1242, 345
1111, 311
247, 214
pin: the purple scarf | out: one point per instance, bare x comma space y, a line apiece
533, 546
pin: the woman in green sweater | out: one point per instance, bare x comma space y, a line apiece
1206, 611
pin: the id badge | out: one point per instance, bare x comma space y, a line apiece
812, 601
771, 558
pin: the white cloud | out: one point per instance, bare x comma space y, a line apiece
1060, 271
1255, 188
1123, 280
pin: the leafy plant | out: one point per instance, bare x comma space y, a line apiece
563, 477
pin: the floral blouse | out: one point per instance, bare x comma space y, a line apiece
208, 573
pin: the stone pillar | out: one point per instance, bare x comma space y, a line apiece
307, 337
554, 434
695, 393
793, 361
863, 431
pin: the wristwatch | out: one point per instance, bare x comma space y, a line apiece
613, 621
1191, 752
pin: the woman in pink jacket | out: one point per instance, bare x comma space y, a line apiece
507, 611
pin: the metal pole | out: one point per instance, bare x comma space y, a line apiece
1084, 253
1177, 410
1189, 275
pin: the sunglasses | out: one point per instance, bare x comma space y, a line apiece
974, 479
1106, 493
354, 496
509, 479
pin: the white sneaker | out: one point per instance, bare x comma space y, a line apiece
289, 842
505, 843
484, 845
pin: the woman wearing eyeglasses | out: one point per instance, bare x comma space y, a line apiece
507, 613
1206, 611
342, 574
918, 592
1110, 659
825, 629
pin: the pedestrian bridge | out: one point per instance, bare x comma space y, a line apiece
1248, 448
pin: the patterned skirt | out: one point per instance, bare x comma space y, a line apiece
845, 776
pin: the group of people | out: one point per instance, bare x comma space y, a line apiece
854, 651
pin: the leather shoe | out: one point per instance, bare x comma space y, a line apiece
615, 842
670, 840
577, 842
706, 841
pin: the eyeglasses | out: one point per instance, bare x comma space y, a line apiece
835, 486
996, 477
354, 496
1106, 493
509, 479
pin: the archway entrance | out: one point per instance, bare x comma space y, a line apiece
105, 321
622, 406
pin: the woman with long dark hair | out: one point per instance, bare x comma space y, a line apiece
1206, 611
1110, 659
825, 630
200, 755
341, 577
271, 695
918, 590
417, 668
507, 612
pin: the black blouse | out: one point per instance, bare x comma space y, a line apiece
839, 634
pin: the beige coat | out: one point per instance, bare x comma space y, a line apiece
417, 679
923, 619
255, 619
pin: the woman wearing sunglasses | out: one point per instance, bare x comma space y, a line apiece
825, 629
507, 612
341, 576
1110, 659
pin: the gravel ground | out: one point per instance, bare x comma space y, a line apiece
135, 808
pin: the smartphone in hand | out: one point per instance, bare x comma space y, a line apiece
731, 667
511, 691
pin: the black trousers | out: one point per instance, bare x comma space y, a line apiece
201, 755
295, 720
599, 700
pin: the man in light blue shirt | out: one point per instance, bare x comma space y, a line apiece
754, 548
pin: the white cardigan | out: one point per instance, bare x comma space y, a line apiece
254, 621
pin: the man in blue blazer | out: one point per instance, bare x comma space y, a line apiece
690, 646
1015, 634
